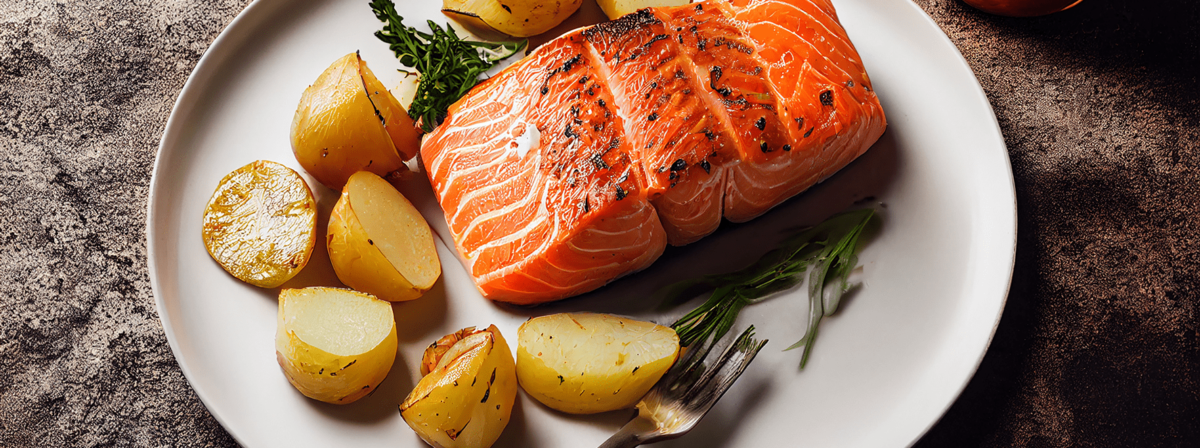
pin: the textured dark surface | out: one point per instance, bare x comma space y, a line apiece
85, 90
1099, 344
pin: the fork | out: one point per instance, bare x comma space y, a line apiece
686, 392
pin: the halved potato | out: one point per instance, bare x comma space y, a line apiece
467, 397
584, 363
334, 345
520, 18
618, 8
347, 122
379, 243
260, 224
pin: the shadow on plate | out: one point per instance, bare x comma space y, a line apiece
720, 425
863, 183
319, 270
416, 319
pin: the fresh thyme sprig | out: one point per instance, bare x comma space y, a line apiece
830, 249
448, 66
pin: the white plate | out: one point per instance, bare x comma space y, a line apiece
884, 369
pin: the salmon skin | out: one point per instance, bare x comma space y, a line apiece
581, 162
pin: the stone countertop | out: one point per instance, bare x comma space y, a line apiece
1099, 344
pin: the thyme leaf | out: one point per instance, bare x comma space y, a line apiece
448, 66
827, 251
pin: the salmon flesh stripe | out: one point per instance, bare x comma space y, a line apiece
579, 163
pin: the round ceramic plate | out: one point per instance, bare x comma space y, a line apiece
882, 372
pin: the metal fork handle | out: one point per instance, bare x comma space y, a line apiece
638, 431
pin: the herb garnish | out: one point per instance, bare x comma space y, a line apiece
830, 249
448, 66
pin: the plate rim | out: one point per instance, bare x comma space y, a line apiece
1010, 191
186, 96
203, 70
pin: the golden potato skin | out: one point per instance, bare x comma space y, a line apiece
466, 400
406, 136
324, 376
260, 224
338, 130
438, 349
585, 363
356, 260
519, 18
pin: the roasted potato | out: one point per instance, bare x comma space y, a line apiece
520, 18
348, 122
260, 224
334, 345
379, 243
467, 397
618, 8
584, 363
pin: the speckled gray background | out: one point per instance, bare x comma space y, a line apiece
1099, 344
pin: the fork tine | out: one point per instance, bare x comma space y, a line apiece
719, 376
687, 391
693, 361
685, 371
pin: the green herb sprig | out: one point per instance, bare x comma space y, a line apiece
830, 248
448, 66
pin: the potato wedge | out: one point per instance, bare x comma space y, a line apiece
433, 354
347, 122
584, 363
379, 243
467, 397
519, 18
260, 224
618, 8
334, 345
405, 134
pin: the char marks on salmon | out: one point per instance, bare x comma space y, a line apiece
581, 162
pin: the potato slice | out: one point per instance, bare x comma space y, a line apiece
347, 122
334, 345
260, 224
379, 243
467, 397
618, 8
584, 363
520, 18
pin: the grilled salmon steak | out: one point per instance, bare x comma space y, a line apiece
581, 162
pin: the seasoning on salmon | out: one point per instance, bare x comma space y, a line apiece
579, 163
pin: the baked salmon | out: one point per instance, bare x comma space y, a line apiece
581, 162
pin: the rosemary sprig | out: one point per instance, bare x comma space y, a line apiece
448, 66
830, 250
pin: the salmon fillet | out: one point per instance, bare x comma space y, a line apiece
581, 162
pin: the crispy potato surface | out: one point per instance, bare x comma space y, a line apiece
466, 399
341, 127
260, 224
519, 18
